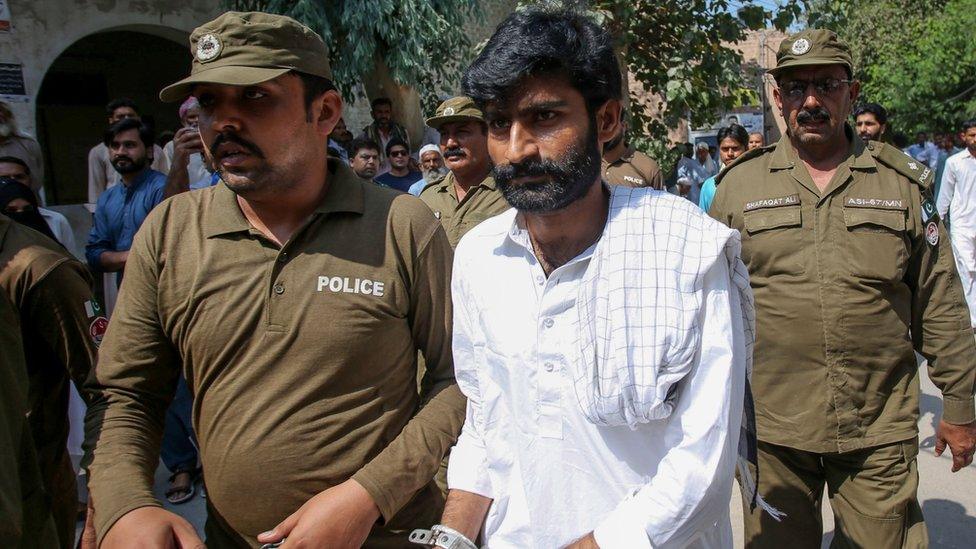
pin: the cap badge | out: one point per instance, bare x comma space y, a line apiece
448, 111
208, 48
800, 47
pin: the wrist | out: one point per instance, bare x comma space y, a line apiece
443, 537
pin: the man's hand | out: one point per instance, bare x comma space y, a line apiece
586, 542
152, 528
186, 142
339, 517
113, 261
88, 538
961, 440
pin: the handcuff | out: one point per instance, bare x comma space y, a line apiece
443, 537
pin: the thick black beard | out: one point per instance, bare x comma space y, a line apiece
569, 178
133, 166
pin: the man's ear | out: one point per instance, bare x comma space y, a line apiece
327, 110
608, 121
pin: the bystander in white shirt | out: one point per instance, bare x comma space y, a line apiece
957, 200
553, 474
60, 228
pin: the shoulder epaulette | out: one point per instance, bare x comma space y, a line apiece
744, 157
917, 172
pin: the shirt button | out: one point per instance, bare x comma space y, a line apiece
539, 279
282, 257
549, 366
279, 288
548, 323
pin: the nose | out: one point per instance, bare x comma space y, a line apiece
521, 144
810, 99
224, 117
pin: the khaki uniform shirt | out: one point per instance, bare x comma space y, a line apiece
479, 203
301, 359
634, 169
25, 516
61, 326
848, 282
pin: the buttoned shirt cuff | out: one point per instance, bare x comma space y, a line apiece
958, 411
622, 528
468, 470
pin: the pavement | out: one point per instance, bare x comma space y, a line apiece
948, 499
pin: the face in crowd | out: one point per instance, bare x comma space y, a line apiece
365, 163
755, 141
815, 101
399, 157
545, 144
260, 137
383, 115
432, 165
969, 138
16, 172
127, 152
340, 134
464, 146
867, 126
121, 113
730, 149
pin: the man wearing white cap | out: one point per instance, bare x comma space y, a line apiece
432, 165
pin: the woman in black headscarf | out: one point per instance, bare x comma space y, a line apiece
18, 202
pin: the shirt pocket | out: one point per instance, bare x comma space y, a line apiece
877, 243
775, 242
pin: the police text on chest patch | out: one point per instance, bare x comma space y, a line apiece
790, 200
346, 285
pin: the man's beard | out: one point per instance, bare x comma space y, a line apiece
133, 166
435, 173
569, 178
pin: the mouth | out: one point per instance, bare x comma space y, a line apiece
529, 180
231, 154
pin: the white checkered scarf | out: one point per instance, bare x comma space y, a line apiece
639, 311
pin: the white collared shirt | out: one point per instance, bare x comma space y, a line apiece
552, 475
957, 191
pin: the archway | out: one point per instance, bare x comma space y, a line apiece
135, 63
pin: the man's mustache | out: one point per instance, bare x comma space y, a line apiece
817, 114
454, 151
121, 157
234, 138
506, 173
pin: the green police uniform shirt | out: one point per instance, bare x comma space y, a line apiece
479, 203
302, 359
634, 169
849, 283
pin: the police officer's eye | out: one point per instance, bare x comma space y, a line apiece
545, 115
828, 86
253, 93
205, 100
499, 124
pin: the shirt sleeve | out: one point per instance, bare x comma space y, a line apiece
133, 384
940, 329
691, 489
97, 180
411, 460
100, 238
468, 469
947, 188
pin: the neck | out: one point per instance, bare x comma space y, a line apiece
559, 236
972, 150
399, 172
615, 153
469, 178
279, 214
129, 178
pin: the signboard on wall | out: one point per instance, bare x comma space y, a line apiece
12, 86
4, 16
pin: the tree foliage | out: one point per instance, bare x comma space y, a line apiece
923, 71
421, 42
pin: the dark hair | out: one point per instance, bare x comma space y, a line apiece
971, 123
118, 103
21, 163
381, 101
879, 112
396, 141
314, 86
736, 132
126, 124
362, 143
545, 42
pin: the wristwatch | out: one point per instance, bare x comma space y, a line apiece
443, 537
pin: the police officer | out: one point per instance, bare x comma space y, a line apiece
294, 297
467, 195
852, 273
61, 324
625, 165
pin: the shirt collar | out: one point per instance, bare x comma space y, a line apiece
345, 194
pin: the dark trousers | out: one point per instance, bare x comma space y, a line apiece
179, 451
872, 494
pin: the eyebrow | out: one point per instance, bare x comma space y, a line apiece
532, 108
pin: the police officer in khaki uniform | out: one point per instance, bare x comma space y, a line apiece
294, 297
625, 165
61, 324
852, 272
467, 195
25, 514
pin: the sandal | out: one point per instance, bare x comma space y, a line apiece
181, 493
